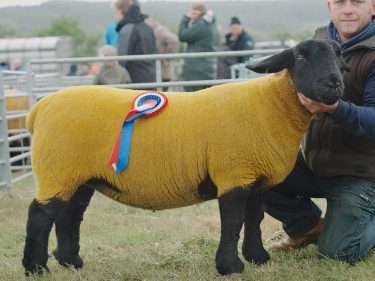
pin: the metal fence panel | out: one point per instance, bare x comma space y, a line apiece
5, 174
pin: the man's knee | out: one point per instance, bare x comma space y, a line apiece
346, 253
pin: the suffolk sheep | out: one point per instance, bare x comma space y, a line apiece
229, 142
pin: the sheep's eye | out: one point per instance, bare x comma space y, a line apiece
299, 57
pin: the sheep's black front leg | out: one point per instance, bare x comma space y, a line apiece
232, 206
67, 228
39, 224
252, 248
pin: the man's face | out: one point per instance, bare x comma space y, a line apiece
350, 16
235, 29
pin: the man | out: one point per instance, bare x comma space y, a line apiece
236, 40
337, 160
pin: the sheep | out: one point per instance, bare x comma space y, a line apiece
229, 142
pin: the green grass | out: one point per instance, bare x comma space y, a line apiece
122, 243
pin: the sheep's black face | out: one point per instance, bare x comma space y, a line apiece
316, 67
317, 70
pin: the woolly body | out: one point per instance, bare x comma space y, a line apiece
228, 132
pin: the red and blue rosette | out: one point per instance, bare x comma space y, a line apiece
146, 105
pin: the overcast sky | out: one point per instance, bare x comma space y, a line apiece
6, 3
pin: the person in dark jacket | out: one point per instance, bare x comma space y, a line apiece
337, 160
236, 40
198, 29
135, 38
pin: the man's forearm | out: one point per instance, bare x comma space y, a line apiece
359, 120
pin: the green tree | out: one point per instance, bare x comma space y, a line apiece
85, 44
7, 30
92, 43
287, 34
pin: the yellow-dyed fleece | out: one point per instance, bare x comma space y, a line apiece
235, 133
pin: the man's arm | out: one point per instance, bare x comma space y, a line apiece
359, 120
124, 42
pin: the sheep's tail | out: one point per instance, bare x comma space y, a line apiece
31, 117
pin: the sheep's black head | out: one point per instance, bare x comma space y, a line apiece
316, 67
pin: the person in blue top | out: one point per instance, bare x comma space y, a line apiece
337, 159
111, 35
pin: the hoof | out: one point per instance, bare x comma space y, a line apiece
257, 257
32, 268
225, 266
68, 261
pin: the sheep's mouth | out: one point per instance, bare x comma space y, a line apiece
329, 99
329, 94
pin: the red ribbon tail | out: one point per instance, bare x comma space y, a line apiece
114, 155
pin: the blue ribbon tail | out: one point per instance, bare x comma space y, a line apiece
124, 151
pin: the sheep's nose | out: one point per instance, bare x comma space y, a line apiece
334, 81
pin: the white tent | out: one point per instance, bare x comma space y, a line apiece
24, 49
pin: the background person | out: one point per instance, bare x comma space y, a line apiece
198, 29
135, 38
236, 40
166, 43
111, 72
111, 35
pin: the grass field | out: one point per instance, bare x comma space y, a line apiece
123, 243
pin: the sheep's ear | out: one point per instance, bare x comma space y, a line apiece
273, 64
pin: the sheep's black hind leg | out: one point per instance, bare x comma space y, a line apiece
232, 206
67, 228
39, 224
252, 247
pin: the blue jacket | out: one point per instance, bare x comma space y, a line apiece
357, 119
111, 35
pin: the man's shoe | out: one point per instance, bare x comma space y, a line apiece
310, 237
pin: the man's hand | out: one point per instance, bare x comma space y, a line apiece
317, 107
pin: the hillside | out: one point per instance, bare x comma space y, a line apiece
261, 18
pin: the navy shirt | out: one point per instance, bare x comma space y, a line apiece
359, 120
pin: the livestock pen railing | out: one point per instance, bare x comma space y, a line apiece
20, 90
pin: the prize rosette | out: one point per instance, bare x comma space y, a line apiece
147, 104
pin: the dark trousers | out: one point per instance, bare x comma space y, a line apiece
348, 232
